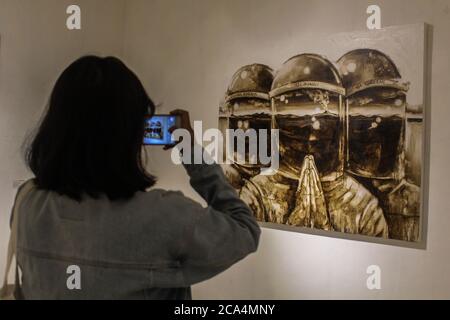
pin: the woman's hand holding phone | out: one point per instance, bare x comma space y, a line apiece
184, 123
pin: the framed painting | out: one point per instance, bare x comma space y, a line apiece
350, 125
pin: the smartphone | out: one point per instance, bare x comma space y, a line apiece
157, 130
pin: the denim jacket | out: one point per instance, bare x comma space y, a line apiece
153, 246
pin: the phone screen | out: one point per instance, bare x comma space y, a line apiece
157, 130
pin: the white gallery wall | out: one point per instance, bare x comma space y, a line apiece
185, 52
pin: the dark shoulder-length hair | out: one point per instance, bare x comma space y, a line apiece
90, 139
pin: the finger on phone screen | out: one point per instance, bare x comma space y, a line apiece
172, 129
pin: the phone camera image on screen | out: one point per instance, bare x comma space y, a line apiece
157, 130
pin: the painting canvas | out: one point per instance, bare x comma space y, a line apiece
350, 121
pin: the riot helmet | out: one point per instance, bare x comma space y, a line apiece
307, 99
247, 106
376, 107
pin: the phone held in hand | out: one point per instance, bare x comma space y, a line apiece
157, 130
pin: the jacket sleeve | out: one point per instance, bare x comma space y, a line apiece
221, 234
